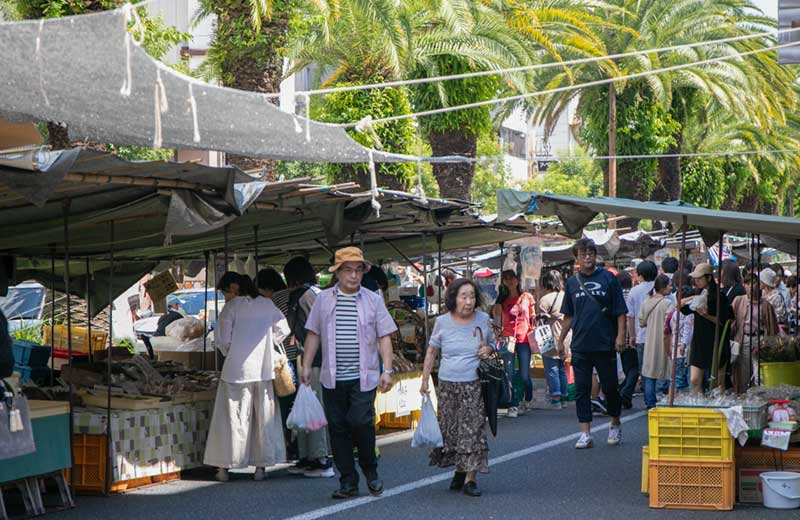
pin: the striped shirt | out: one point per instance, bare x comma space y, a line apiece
347, 352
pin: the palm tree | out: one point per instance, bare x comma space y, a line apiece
248, 48
425, 38
754, 89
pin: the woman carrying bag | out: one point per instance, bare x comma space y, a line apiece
246, 425
549, 322
462, 412
653, 318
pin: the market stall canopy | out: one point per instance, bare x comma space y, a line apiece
163, 211
89, 73
576, 212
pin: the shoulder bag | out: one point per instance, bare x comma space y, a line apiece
541, 337
284, 378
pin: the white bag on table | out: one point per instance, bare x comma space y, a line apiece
427, 434
307, 414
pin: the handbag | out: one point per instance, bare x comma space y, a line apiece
16, 432
541, 337
284, 378
495, 385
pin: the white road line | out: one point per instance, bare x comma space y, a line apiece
411, 486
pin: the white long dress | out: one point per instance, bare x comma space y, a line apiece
246, 425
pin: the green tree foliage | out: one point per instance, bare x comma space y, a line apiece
394, 137
490, 175
577, 177
643, 127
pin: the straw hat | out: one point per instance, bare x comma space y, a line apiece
702, 270
348, 254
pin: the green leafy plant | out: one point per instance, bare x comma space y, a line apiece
125, 342
32, 333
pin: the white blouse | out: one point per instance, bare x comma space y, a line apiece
247, 329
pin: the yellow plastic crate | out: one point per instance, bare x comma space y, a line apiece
778, 373
699, 434
79, 337
645, 468
692, 485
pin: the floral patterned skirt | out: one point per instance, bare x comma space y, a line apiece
462, 419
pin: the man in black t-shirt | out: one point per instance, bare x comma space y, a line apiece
594, 309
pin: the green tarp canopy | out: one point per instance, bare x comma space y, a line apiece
575, 212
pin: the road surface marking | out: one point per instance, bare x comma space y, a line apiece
411, 486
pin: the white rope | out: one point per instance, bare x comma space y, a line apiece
307, 99
136, 36
193, 106
161, 107
365, 127
420, 186
373, 181
525, 68
568, 88
40, 63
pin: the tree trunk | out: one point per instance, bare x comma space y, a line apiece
668, 184
257, 69
612, 142
454, 179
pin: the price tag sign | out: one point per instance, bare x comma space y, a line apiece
403, 404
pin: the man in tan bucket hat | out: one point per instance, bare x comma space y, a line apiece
353, 328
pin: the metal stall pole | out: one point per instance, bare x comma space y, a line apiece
52, 317
205, 314
255, 246
109, 352
216, 306
427, 309
439, 279
89, 307
755, 299
796, 292
677, 331
65, 208
758, 314
225, 246
716, 350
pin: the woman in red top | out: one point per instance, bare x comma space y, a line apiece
516, 309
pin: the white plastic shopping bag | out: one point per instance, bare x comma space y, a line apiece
307, 414
427, 434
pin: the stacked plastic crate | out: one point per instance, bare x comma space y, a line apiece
30, 360
690, 460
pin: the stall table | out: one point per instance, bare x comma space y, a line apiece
151, 442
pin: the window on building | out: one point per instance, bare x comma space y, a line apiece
514, 142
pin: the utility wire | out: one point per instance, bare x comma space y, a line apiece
539, 66
519, 97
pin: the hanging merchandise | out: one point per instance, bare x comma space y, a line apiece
531, 261
236, 265
250, 268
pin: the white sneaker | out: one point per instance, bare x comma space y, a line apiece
513, 412
259, 475
222, 475
584, 442
614, 436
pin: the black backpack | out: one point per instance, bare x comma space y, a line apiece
297, 316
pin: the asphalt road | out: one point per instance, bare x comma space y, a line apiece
535, 473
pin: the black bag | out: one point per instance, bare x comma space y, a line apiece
495, 386
6, 351
297, 316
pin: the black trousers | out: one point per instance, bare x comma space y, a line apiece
606, 365
351, 417
630, 365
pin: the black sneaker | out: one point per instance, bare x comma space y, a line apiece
457, 484
300, 467
322, 468
375, 487
345, 492
627, 404
599, 407
471, 489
